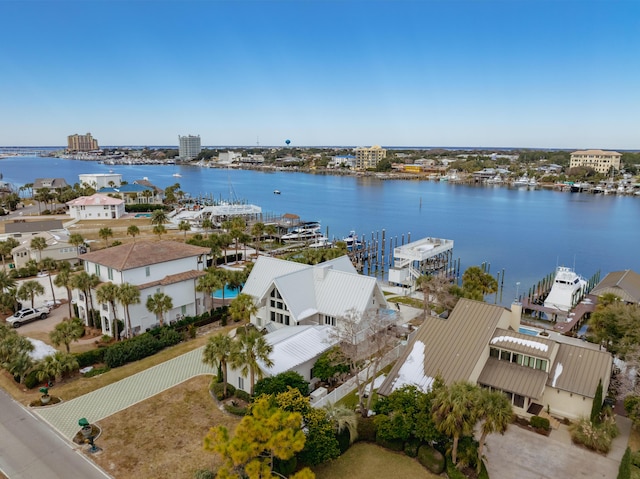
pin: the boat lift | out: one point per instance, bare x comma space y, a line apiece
425, 256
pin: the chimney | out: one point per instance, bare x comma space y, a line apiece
516, 314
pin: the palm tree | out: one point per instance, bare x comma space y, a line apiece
270, 230
5, 249
207, 224
76, 240
85, 282
7, 283
29, 290
497, 413
224, 241
67, 331
63, 280
159, 303
38, 243
158, 217
217, 353
184, 226
159, 230
19, 365
342, 418
242, 308
252, 347
128, 294
107, 293
235, 279
105, 234
48, 264
133, 231
455, 413
257, 230
54, 366
210, 282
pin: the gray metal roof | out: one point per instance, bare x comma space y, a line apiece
578, 369
536, 346
624, 284
511, 377
32, 226
453, 346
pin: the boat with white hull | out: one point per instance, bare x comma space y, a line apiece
567, 290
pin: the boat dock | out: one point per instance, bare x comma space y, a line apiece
564, 321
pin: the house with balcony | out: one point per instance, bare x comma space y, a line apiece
96, 207
134, 194
484, 344
169, 267
57, 247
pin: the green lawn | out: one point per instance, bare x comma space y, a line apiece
368, 461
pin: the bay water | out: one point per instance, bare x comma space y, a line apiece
526, 233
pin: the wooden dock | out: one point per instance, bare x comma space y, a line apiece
564, 321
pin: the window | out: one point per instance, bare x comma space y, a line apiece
518, 400
494, 353
110, 273
330, 320
241, 383
147, 270
273, 315
505, 355
97, 269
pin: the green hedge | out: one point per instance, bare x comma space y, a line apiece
411, 448
366, 429
431, 459
393, 444
139, 347
144, 208
218, 390
96, 372
89, 358
452, 471
540, 423
624, 472
236, 410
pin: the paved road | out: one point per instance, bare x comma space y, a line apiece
115, 397
30, 449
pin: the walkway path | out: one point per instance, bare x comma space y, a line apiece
115, 397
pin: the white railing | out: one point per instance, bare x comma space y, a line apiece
349, 385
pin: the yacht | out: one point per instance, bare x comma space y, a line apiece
522, 181
321, 242
177, 175
303, 232
567, 289
352, 241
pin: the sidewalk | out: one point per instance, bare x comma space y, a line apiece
111, 399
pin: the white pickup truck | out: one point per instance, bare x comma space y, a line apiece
26, 315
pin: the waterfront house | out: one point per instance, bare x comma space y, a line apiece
53, 184
290, 294
96, 207
624, 284
100, 180
484, 344
169, 267
134, 194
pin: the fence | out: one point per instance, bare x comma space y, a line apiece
349, 385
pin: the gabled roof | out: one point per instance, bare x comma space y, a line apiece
95, 200
173, 279
57, 239
53, 183
332, 287
32, 226
295, 346
511, 377
143, 253
450, 347
577, 369
624, 284
536, 346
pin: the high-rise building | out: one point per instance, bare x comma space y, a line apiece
599, 160
82, 142
189, 146
369, 157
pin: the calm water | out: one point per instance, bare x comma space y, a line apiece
526, 233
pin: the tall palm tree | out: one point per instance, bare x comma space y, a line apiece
242, 308
7, 283
86, 282
207, 224
257, 230
19, 365
77, 240
497, 413
342, 418
158, 217
159, 230
63, 280
159, 303
67, 331
184, 226
252, 347
133, 231
29, 290
54, 366
38, 243
105, 234
107, 293
128, 294
218, 352
209, 283
455, 413
49, 264
5, 249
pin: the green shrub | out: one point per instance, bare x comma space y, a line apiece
595, 437
203, 474
218, 390
286, 468
624, 471
431, 459
540, 423
91, 357
411, 447
236, 410
635, 458
143, 208
30, 380
392, 444
452, 471
484, 474
280, 383
344, 440
366, 429
243, 395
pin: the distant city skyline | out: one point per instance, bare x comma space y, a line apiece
492, 74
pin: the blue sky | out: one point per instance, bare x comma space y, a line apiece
549, 74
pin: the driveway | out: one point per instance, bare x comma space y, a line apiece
524, 454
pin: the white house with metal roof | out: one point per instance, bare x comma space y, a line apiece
294, 349
483, 344
294, 294
169, 267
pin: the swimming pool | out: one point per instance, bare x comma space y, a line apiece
142, 215
530, 332
229, 293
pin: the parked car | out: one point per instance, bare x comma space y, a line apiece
26, 315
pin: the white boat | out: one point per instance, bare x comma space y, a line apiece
321, 242
496, 180
177, 175
522, 181
567, 289
352, 241
276, 192
533, 183
303, 232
